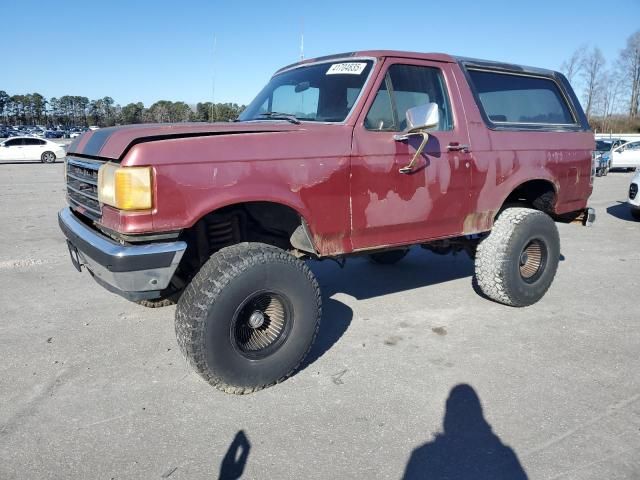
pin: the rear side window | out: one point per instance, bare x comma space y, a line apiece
518, 99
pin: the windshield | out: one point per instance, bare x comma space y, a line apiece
321, 92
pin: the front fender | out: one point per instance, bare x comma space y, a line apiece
316, 189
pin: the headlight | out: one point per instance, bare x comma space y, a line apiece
126, 188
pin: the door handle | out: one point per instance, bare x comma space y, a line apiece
457, 147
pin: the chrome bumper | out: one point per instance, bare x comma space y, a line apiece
135, 272
590, 216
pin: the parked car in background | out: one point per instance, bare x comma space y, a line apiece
602, 163
616, 142
626, 156
75, 134
93, 127
634, 197
53, 134
31, 149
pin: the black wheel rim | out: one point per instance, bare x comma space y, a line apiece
533, 260
261, 324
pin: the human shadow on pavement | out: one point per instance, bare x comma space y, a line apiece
621, 211
467, 449
363, 279
235, 459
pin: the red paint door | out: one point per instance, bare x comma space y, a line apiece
389, 207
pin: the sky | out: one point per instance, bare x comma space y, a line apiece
164, 50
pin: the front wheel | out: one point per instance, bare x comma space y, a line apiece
48, 157
249, 317
635, 213
517, 262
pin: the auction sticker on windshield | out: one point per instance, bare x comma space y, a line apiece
352, 68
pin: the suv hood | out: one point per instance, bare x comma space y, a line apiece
114, 142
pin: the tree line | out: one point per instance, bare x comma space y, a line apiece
71, 110
610, 89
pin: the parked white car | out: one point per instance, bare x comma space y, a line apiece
31, 149
626, 155
634, 196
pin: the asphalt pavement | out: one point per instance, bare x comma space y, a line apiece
413, 375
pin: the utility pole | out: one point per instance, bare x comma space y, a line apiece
302, 40
301, 58
213, 81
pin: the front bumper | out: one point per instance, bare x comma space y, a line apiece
136, 272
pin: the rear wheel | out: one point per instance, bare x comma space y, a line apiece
249, 317
389, 257
48, 157
517, 262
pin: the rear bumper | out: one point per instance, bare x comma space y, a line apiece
135, 272
589, 216
584, 216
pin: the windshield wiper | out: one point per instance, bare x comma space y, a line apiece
280, 116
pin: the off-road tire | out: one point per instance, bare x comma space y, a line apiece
498, 265
157, 303
635, 213
389, 257
48, 157
207, 316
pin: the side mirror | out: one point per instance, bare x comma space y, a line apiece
419, 119
422, 117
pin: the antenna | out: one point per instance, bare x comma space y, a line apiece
302, 58
302, 40
213, 80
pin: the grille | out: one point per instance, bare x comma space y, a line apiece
82, 186
633, 191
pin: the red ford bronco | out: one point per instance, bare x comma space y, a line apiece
359, 153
